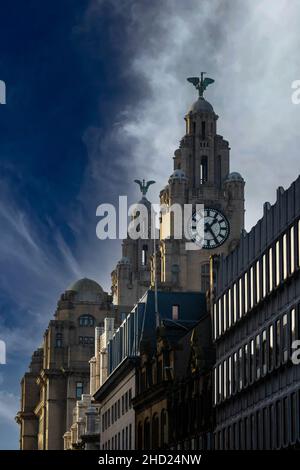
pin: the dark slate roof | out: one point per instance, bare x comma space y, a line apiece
139, 327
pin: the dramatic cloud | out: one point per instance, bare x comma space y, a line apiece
250, 48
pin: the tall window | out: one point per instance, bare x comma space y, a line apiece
240, 368
252, 361
59, 340
277, 253
203, 170
175, 312
257, 356
241, 298
293, 325
278, 342
144, 255
246, 364
299, 243
285, 336
251, 287
264, 351
246, 291
229, 308
292, 250
175, 273
229, 375
225, 311
271, 279
264, 275
86, 320
203, 130
234, 303
257, 281
79, 390
225, 379
205, 277
271, 347
284, 256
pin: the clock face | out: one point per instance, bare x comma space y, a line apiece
216, 228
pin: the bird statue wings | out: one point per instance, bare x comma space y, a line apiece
144, 186
200, 83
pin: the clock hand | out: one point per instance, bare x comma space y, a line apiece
208, 229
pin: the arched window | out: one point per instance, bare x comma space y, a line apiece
203, 170
86, 320
155, 432
164, 429
147, 434
140, 436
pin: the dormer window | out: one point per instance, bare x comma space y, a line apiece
86, 320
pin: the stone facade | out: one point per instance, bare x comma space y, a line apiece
173, 401
59, 372
201, 176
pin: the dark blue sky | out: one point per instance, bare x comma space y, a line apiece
96, 96
62, 78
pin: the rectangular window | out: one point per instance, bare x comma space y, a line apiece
264, 276
284, 256
271, 347
215, 386
285, 337
293, 417
234, 303
292, 250
251, 287
215, 321
175, 312
299, 243
220, 382
241, 309
257, 356
252, 361
246, 364
235, 373
220, 317
293, 326
224, 312
79, 390
246, 291
229, 308
230, 376
257, 281
225, 379
264, 351
271, 278
278, 342
240, 371
277, 253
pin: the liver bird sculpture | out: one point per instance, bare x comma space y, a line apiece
200, 83
144, 186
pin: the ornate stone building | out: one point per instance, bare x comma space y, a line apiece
201, 176
132, 276
59, 372
173, 401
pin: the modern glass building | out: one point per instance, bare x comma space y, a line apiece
255, 325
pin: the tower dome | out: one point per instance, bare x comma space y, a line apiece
201, 106
86, 290
235, 176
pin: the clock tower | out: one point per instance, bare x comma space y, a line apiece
201, 176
